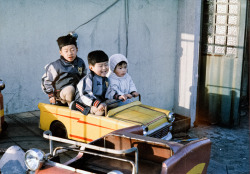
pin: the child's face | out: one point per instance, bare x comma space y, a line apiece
101, 69
121, 70
69, 52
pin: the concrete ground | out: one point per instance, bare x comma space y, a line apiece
230, 147
229, 155
24, 132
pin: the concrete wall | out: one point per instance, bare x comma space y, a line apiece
152, 50
187, 60
145, 31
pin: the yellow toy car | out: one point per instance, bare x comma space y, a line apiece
66, 123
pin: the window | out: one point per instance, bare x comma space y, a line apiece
220, 27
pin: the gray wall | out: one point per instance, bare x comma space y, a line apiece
29, 30
152, 50
149, 33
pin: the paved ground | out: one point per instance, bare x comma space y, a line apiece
23, 131
230, 148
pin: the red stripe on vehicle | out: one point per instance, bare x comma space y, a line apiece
60, 115
78, 120
82, 138
94, 125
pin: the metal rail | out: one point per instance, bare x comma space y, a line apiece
134, 164
48, 135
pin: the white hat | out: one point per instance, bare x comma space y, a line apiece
115, 59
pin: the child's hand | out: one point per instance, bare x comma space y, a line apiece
52, 100
135, 94
129, 96
101, 107
123, 97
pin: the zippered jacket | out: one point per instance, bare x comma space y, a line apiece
91, 90
61, 73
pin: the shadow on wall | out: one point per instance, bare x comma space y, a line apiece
217, 108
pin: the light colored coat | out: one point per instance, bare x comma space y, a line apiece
120, 85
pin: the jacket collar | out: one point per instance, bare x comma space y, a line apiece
94, 74
67, 62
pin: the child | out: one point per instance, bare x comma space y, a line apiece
90, 92
62, 75
121, 85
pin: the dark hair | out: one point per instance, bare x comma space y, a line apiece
121, 63
66, 40
97, 56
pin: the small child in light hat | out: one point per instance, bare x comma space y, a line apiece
121, 85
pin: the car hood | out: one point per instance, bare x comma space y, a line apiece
138, 113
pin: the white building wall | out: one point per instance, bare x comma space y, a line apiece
152, 50
187, 60
145, 31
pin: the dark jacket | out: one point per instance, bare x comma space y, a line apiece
61, 73
91, 89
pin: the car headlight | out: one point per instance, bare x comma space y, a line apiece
145, 130
34, 159
171, 117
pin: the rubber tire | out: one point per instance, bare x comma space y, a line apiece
58, 130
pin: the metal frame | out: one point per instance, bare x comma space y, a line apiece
48, 135
153, 142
